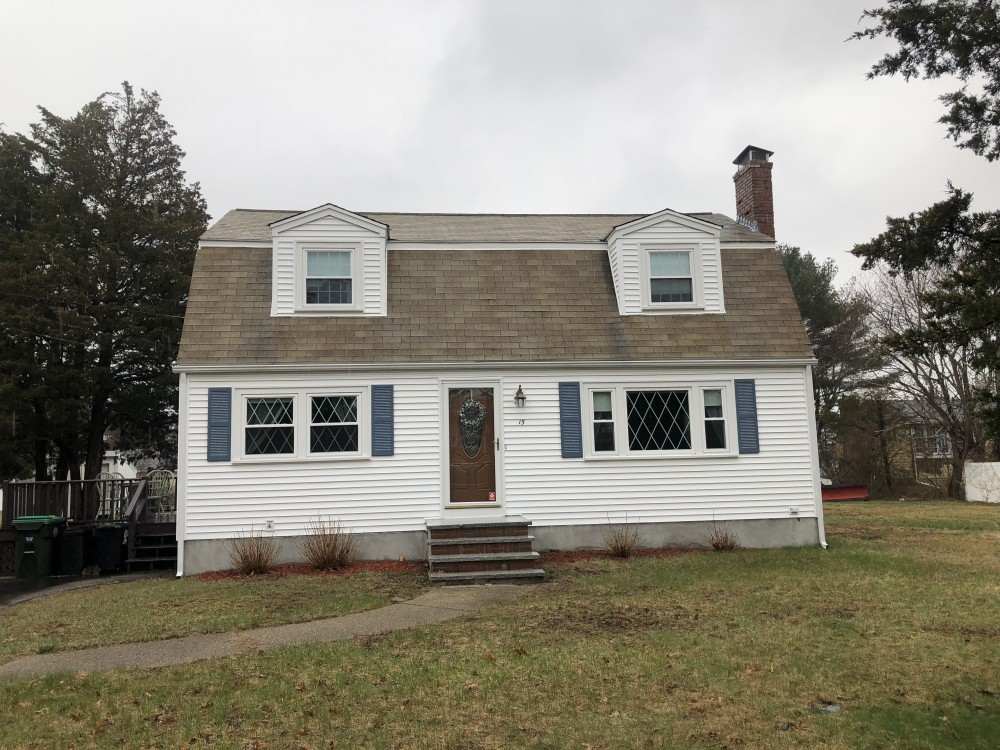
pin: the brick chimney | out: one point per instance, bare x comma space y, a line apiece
754, 201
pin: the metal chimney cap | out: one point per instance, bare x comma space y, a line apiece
752, 153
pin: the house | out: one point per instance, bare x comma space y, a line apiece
401, 372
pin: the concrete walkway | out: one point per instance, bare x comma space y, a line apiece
436, 605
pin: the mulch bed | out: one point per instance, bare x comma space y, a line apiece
596, 554
282, 571
420, 566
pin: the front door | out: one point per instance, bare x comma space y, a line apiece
471, 446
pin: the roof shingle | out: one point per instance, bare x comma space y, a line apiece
253, 226
475, 306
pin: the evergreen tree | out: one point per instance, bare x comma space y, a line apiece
838, 329
93, 290
948, 38
959, 247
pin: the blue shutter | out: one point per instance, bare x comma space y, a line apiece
220, 407
746, 416
383, 437
569, 420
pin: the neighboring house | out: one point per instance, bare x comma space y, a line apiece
397, 370
930, 441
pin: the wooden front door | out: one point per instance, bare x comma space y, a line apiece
471, 446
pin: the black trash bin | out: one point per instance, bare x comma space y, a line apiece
71, 546
35, 546
109, 538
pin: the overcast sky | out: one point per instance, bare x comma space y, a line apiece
509, 105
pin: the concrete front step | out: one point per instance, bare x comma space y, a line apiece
480, 545
531, 575
499, 527
484, 563
485, 550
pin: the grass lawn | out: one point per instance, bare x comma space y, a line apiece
167, 607
897, 625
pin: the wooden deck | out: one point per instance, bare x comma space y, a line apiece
87, 503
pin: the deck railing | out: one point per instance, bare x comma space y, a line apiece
82, 500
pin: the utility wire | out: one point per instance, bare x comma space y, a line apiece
93, 304
44, 335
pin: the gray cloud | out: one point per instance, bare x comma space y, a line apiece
510, 106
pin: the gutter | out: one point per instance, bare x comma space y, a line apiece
501, 365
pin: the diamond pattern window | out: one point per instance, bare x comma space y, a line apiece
333, 426
670, 278
270, 428
328, 277
604, 422
658, 420
715, 419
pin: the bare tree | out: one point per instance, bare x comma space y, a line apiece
936, 376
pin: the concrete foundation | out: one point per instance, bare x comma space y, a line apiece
756, 533
203, 555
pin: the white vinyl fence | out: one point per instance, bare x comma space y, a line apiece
982, 482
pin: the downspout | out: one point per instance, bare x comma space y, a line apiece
814, 454
182, 441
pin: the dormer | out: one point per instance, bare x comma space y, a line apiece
667, 263
328, 261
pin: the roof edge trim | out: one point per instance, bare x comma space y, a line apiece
329, 209
656, 218
496, 365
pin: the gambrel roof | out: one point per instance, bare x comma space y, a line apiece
254, 226
453, 305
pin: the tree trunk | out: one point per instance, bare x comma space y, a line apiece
67, 465
41, 451
95, 436
956, 490
883, 444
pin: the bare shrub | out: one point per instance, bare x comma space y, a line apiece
329, 546
723, 539
252, 553
621, 539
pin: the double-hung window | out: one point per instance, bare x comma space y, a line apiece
604, 421
270, 426
670, 277
329, 278
674, 420
306, 424
715, 419
333, 425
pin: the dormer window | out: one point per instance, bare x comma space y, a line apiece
329, 277
670, 277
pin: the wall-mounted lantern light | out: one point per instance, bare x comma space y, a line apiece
519, 398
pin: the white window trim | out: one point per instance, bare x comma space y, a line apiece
728, 414
357, 287
302, 422
696, 407
695, 252
362, 434
240, 435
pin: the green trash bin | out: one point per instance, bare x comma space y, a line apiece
35, 545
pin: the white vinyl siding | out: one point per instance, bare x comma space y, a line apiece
631, 280
551, 490
392, 493
401, 492
369, 284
